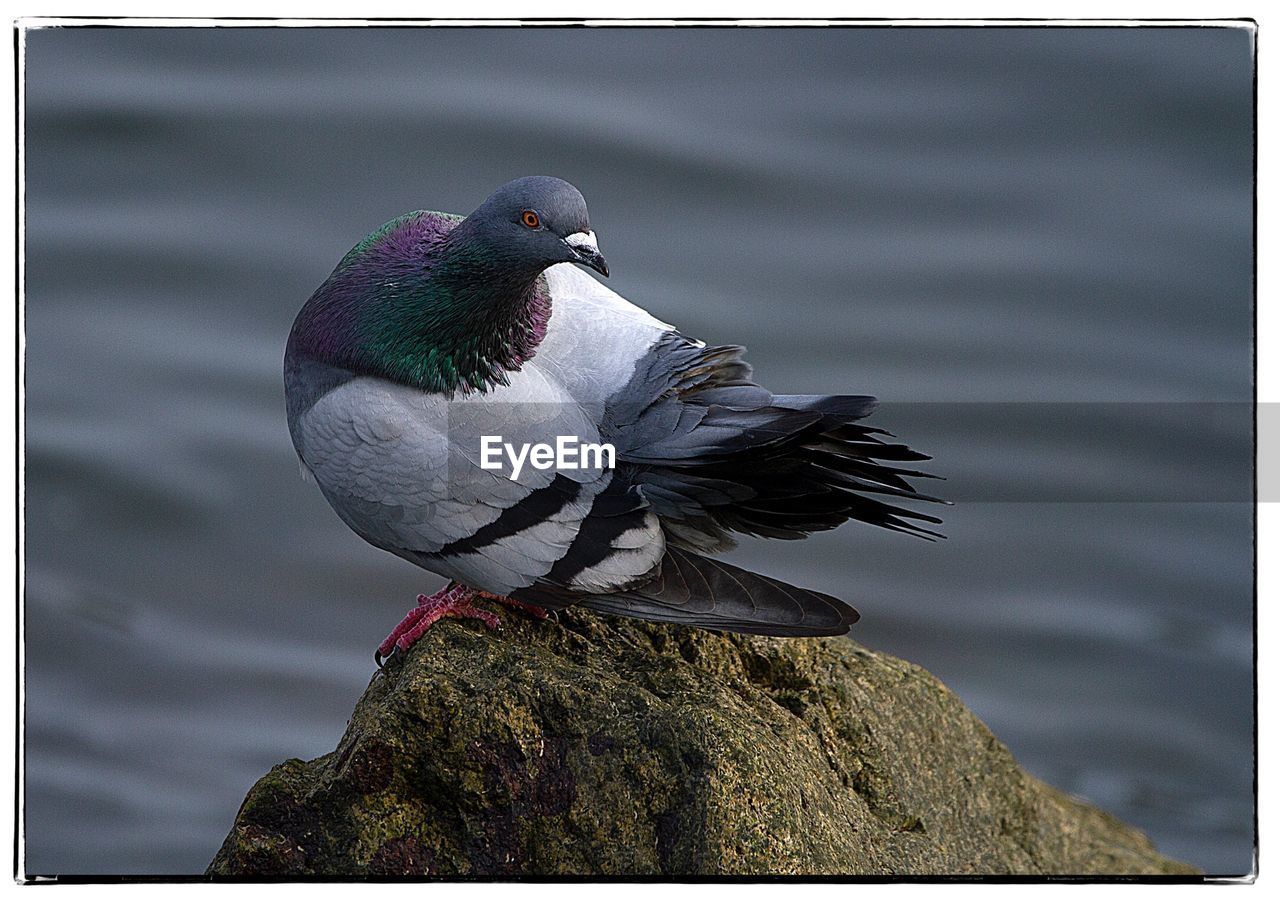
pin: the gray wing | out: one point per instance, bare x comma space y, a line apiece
710, 452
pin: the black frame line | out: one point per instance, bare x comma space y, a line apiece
23, 25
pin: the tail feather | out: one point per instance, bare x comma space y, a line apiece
694, 590
715, 453
835, 409
792, 466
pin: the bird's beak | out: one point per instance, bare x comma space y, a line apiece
586, 253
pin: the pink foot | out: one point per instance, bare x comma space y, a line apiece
528, 608
454, 601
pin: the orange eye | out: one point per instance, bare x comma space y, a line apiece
530, 219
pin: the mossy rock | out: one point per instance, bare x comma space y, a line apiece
600, 746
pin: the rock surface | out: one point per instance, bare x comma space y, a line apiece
598, 746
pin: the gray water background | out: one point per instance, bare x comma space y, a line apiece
1033, 244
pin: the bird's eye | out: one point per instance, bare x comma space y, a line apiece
530, 219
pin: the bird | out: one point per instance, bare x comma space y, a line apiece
438, 334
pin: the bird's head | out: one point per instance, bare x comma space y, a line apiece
538, 221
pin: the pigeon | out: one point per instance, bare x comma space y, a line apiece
440, 341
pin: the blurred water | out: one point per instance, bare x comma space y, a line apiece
1033, 244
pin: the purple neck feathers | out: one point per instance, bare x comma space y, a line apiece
419, 304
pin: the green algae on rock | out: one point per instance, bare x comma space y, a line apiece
611, 747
